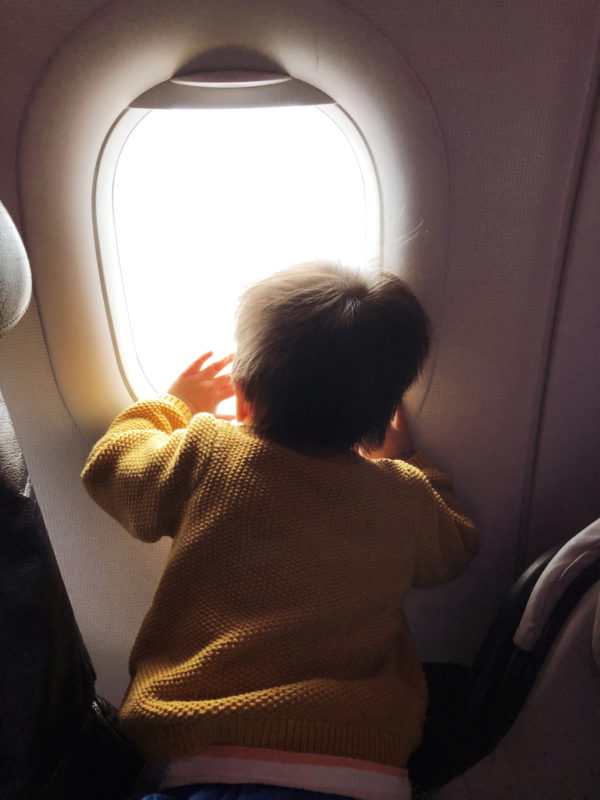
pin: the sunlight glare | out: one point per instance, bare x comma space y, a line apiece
207, 201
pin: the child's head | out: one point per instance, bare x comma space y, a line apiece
324, 354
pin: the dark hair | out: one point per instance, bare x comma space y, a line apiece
325, 354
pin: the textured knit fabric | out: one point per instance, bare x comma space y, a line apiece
278, 621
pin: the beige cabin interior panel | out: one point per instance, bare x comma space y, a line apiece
512, 86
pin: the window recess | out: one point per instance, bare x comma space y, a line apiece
211, 181
231, 89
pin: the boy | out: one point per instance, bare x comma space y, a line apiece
276, 651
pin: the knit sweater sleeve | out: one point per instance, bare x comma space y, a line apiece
143, 469
448, 540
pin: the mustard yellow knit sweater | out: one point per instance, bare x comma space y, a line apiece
278, 621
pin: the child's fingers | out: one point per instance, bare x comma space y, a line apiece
223, 386
225, 391
213, 369
222, 363
195, 366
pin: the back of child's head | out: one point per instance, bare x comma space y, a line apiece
325, 354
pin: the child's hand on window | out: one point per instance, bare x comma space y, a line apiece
203, 389
398, 442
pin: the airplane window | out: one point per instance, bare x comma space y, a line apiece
104, 256
205, 201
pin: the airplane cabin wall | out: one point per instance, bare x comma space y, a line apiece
512, 413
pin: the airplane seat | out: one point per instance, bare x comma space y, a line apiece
57, 738
526, 721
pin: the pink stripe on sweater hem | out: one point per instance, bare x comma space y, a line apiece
361, 780
285, 757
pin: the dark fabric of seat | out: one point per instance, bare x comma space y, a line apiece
45, 685
58, 740
56, 736
472, 709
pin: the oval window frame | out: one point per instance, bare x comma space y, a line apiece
88, 83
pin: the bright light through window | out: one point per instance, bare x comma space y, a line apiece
207, 201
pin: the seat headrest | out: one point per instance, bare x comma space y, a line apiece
15, 275
571, 560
